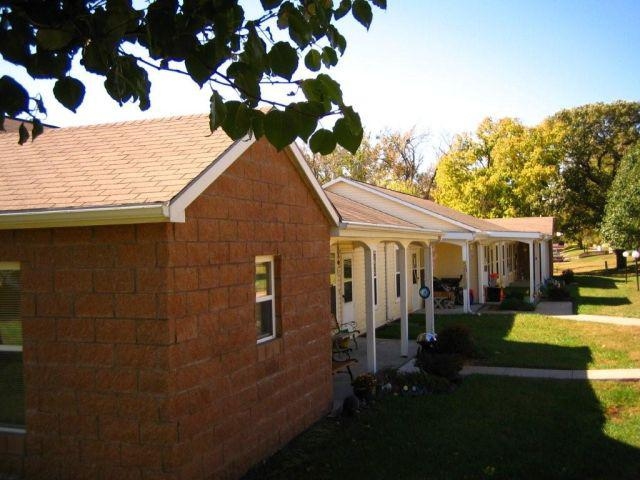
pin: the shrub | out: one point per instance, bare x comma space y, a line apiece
519, 293
446, 365
516, 304
456, 339
567, 276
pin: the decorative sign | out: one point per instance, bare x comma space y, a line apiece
424, 292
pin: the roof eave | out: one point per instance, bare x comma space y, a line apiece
78, 217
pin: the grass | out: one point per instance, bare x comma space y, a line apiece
607, 294
538, 341
499, 428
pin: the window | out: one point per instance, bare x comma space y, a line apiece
11, 380
375, 278
265, 299
398, 263
414, 268
332, 282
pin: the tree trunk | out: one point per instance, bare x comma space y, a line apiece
621, 262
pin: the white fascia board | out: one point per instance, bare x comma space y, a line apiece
317, 188
357, 229
78, 217
402, 202
513, 235
457, 236
187, 195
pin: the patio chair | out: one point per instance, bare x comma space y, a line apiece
347, 330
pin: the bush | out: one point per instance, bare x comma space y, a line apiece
456, 339
517, 304
567, 276
446, 365
519, 293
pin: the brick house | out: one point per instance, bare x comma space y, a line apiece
165, 301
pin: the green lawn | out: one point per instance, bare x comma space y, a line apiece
607, 295
538, 341
502, 428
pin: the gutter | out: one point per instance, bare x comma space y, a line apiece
76, 217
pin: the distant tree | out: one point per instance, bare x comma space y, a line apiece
392, 159
621, 222
212, 42
589, 143
503, 170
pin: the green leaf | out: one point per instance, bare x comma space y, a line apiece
345, 136
270, 4
237, 122
37, 129
305, 116
342, 10
14, 99
331, 87
323, 142
246, 80
257, 122
217, 111
2, 122
329, 57
69, 92
197, 68
312, 60
380, 4
51, 39
283, 59
255, 51
279, 128
23, 134
362, 12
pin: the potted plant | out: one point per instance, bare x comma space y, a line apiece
364, 386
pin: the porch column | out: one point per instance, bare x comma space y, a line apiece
404, 307
481, 273
544, 260
428, 280
532, 271
369, 306
465, 287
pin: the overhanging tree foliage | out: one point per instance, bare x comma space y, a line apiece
621, 223
212, 42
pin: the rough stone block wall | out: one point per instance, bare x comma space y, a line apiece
96, 357
140, 353
236, 401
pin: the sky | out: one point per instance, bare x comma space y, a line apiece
441, 67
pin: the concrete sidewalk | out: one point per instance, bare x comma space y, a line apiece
611, 374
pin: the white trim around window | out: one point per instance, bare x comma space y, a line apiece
265, 309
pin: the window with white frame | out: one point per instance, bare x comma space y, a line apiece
265, 299
11, 378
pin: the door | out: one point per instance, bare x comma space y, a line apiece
347, 288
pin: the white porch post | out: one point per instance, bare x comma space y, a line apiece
465, 288
532, 271
404, 307
544, 260
481, 273
428, 280
370, 320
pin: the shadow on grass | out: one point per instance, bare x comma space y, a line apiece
605, 301
595, 281
491, 427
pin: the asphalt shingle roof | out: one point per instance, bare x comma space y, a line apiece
128, 163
